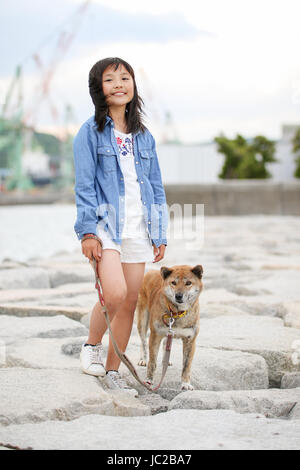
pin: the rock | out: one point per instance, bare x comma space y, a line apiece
295, 413
264, 336
31, 395
203, 430
292, 317
212, 310
29, 310
291, 380
212, 369
34, 395
42, 353
273, 403
15, 328
67, 273
21, 278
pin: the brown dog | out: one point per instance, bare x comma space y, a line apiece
175, 290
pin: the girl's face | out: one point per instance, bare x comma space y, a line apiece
117, 85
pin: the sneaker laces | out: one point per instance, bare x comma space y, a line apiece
117, 379
95, 354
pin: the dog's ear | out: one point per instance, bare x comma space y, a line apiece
165, 272
198, 271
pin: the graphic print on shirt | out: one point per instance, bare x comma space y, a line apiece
125, 146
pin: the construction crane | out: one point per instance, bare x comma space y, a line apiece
162, 117
16, 124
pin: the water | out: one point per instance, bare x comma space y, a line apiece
37, 231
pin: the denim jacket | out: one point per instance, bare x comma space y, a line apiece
100, 188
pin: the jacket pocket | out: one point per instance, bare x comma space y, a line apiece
107, 158
146, 156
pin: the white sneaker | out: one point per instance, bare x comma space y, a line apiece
91, 360
115, 382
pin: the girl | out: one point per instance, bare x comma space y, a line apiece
121, 207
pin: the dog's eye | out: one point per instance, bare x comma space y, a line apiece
174, 283
188, 283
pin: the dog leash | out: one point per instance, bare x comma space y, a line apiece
122, 356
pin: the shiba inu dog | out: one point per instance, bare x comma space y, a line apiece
170, 292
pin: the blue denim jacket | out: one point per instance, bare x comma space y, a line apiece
100, 187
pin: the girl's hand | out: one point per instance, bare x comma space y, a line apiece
91, 248
159, 253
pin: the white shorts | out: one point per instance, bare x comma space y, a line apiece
132, 250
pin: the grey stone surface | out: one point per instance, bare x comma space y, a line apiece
211, 370
24, 277
31, 395
213, 429
273, 403
291, 380
295, 413
265, 336
41, 353
14, 328
249, 334
33, 310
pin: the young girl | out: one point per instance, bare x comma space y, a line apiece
122, 213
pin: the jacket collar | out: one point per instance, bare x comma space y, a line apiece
108, 120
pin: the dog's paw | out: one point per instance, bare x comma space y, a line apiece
142, 362
186, 386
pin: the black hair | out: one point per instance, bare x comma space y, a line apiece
134, 109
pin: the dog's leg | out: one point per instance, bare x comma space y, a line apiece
154, 343
189, 347
142, 326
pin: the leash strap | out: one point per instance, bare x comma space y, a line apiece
122, 356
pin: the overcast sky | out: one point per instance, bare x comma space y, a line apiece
216, 66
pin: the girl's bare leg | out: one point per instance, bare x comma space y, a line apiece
123, 317
114, 292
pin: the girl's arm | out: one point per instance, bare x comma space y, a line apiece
85, 158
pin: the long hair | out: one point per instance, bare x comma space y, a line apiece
134, 109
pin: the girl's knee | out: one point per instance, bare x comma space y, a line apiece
116, 297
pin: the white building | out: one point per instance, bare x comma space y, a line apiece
184, 164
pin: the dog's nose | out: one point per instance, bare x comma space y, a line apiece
178, 297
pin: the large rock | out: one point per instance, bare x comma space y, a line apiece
215, 429
15, 328
31, 395
66, 273
41, 353
22, 278
291, 380
211, 370
26, 309
257, 335
273, 403
292, 314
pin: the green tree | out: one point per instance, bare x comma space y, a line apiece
245, 159
296, 149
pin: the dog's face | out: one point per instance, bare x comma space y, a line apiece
182, 284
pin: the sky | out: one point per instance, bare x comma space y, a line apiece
215, 67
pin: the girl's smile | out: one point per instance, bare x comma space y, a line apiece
117, 86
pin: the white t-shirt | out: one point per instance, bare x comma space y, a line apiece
134, 223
